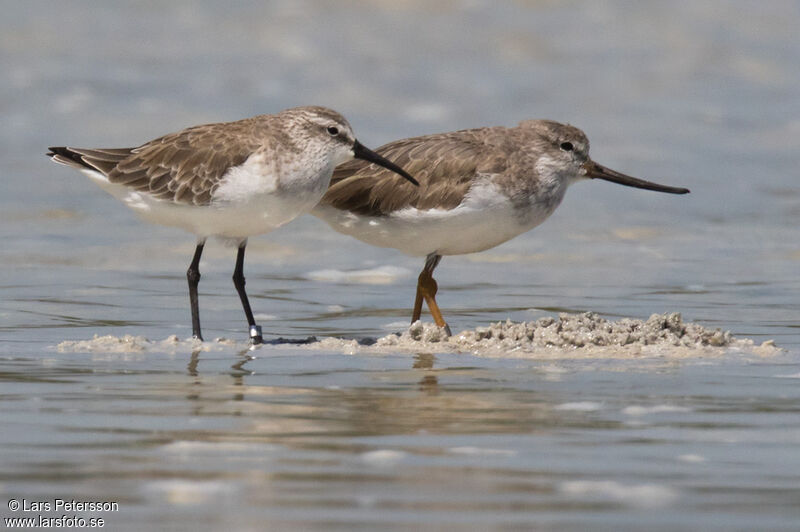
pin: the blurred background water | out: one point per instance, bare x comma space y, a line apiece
703, 94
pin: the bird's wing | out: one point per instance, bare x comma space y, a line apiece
184, 167
445, 165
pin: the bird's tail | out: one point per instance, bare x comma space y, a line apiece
102, 160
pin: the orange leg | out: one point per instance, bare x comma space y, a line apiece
417, 304
426, 290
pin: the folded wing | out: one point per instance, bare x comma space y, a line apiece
184, 167
445, 165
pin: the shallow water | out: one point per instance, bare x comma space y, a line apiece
696, 94
299, 439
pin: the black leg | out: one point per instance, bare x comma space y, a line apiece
238, 282
193, 275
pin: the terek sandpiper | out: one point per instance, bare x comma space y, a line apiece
478, 188
230, 180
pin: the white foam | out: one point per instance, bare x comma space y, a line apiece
640, 495
379, 275
183, 492
637, 410
481, 451
789, 376
580, 406
383, 457
187, 448
692, 458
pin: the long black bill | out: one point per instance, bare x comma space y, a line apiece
598, 171
361, 152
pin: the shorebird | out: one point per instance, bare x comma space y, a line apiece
478, 189
230, 180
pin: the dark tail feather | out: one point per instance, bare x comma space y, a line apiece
102, 160
64, 155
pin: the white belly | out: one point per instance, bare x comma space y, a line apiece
486, 218
259, 212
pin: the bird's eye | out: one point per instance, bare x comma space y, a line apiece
566, 146
333, 130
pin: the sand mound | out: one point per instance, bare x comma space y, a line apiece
568, 336
139, 344
580, 330
585, 334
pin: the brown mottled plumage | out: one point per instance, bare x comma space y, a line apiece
185, 167
232, 179
478, 188
445, 164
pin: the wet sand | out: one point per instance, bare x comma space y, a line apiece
584, 335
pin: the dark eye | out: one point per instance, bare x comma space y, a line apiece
333, 130
566, 146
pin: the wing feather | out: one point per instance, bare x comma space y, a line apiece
445, 165
184, 167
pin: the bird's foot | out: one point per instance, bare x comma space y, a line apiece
255, 335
